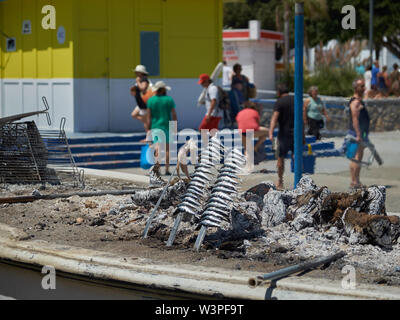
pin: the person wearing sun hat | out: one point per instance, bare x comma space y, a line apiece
160, 111
213, 113
141, 92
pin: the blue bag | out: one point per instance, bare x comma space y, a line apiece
351, 149
146, 157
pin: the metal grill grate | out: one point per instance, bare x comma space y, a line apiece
28, 156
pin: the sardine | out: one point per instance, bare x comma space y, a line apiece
229, 175
209, 223
204, 170
218, 205
211, 215
227, 170
191, 200
196, 184
225, 184
200, 180
213, 199
220, 210
186, 209
232, 166
195, 189
215, 211
221, 195
226, 179
195, 195
226, 191
201, 175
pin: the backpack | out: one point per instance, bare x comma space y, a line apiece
223, 98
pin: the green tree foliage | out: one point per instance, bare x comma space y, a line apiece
237, 15
321, 27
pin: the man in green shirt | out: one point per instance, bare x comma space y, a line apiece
161, 110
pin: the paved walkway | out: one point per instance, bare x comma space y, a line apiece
334, 172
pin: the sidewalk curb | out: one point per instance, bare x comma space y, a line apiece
189, 279
141, 179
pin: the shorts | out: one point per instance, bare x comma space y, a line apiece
364, 135
285, 144
142, 112
159, 138
212, 124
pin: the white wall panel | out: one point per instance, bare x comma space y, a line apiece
29, 99
12, 98
63, 96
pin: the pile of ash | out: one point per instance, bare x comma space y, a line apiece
266, 225
263, 212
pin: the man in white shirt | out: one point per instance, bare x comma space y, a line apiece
213, 114
226, 75
368, 78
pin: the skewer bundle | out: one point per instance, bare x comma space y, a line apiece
223, 193
201, 178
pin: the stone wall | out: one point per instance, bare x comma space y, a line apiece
384, 114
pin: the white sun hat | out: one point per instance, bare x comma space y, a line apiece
159, 85
140, 68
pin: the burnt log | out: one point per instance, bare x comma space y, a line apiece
375, 229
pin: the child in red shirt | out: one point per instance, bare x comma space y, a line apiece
249, 119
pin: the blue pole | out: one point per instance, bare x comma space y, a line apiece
298, 93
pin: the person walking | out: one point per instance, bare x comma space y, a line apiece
226, 75
359, 122
238, 76
161, 110
141, 92
360, 69
284, 116
236, 100
213, 113
375, 71
313, 109
368, 78
383, 82
395, 80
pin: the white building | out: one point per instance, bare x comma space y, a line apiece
254, 49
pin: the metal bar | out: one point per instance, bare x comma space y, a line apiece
172, 235
33, 156
254, 282
150, 220
200, 238
26, 199
298, 89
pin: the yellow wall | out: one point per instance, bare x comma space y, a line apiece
102, 37
38, 55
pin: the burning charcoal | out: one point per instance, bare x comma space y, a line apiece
274, 211
305, 212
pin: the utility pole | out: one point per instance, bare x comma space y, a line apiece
371, 29
298, 92
286, 57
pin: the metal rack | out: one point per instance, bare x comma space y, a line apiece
29, 156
